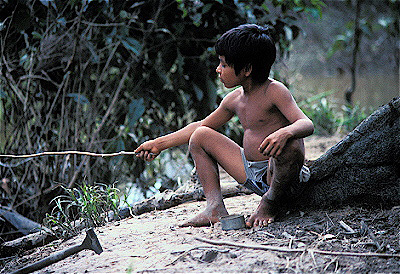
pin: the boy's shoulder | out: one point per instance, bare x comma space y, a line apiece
234, 94
231, 99
276, 90
275, 85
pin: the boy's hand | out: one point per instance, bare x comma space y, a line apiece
273, 145
147, 151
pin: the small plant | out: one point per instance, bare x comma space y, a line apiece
328, 118
323, 116
88, 205
353, 115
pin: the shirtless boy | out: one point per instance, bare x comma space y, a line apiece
272, 157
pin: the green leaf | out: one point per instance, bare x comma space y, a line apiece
123, 14
199, 93
36, 35
116, 146
62, 21
3, 95
131, 44
206, 8
79, 98
135, 111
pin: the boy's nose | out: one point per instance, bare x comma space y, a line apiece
218, 69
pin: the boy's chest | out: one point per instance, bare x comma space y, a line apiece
256, 113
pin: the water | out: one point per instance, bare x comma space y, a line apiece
372, 90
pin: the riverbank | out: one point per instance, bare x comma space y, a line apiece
152, 242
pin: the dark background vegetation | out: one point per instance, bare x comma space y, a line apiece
104, 76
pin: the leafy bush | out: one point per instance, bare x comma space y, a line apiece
324, 117
353, 116
330, 119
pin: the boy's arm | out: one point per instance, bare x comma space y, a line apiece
300, 125
150, 149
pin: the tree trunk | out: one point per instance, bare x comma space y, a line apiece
356, 49
362, 168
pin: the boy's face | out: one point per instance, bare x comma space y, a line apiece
227, 74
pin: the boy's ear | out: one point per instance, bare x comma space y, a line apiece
247, 70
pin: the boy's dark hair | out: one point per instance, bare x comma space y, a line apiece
245, 46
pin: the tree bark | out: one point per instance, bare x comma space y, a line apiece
362, 168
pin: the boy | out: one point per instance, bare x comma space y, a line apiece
271, 160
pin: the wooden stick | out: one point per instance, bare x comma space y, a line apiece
347, 227
50, 153
355, 254
258, 247
283, 249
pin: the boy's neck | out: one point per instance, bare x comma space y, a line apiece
249, 86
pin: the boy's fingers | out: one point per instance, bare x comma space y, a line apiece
263, 146
149, 156
268, 150
275, 151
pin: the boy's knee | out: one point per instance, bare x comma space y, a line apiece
198, 136
293, 152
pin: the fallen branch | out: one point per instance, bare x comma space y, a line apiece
33, 240
283, 249
257, 247
168, 199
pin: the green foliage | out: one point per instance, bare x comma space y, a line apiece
353, 116
330, 119
88, 204
369, 23
105, 76
323, 116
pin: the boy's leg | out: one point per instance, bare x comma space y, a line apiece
283, 171
209, 148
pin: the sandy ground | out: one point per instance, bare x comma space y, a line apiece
152, 242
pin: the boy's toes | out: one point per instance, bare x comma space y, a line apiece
254, 222
250, 221
268, 221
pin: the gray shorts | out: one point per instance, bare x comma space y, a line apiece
255, 171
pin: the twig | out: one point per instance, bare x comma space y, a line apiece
329, 218
186, 253
365, 230
258, 247
356, 254
102, 25
14, 165
331, 262
347, 227
282, 249
55, 153
313, 224
47, 190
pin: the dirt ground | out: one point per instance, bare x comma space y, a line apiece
152, 242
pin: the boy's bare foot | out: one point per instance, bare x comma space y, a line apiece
207, 217
264, 215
